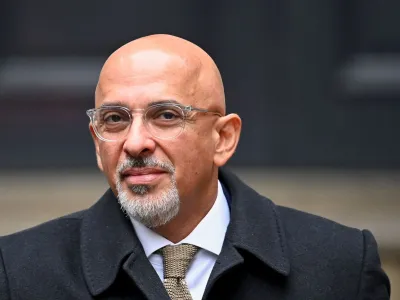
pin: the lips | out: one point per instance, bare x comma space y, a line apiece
142, 175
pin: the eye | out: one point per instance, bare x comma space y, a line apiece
112, 118
167, 115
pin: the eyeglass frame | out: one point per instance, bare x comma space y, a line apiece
186, 109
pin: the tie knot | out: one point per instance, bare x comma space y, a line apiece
177, 259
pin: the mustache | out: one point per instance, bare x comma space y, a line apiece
143, 162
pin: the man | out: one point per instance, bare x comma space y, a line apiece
187, 229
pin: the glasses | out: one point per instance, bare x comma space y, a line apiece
163, 121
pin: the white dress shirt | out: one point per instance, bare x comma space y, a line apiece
208, 235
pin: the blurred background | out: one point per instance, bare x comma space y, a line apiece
317, 84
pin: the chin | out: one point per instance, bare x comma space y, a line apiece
152, 207
139, 189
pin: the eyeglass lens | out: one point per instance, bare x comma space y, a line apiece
162, 121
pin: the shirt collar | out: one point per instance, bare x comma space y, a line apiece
209, 234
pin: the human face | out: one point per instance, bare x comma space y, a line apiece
148, 174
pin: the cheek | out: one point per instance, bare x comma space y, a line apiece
204, 143
193, 155
109, 155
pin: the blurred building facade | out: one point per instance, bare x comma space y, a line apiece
317, 85
322, 79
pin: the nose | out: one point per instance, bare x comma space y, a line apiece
138, 140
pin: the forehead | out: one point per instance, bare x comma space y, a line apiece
145, 77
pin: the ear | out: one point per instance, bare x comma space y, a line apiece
96, 144
227, 136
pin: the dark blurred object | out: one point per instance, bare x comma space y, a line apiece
315, 83
371, 77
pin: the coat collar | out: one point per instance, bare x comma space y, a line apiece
109, 246
107, 239
255, 224
109, 243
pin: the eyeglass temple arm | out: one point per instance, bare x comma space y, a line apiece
191, 108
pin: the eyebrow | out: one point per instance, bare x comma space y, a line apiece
119, 103
163, 102
112, 103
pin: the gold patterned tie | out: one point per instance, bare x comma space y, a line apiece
176, 262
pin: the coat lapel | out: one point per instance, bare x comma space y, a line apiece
227, 259
138, 267
109, 244
255, 228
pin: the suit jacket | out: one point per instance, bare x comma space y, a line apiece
270, 252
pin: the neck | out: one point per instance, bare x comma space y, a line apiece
192, 211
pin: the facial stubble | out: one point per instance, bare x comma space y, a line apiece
145, 203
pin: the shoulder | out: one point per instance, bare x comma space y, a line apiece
45, 240
351, 255
322, 246
300, 222
36, 260
308, 233
48, 230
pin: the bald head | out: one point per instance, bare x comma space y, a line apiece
154, 58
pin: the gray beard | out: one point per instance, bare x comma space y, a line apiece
152, 210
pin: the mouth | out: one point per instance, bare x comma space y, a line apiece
142, 176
